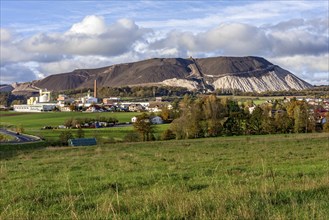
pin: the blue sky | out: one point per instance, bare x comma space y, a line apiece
39, 38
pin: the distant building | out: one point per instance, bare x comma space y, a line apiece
63, 100
40, 107
134, 119
44, 97
111, 100
32, 100
135, 108
37, 104
158, 106
156, 120
153, 120
88, 100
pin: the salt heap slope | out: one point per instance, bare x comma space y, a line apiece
247, 74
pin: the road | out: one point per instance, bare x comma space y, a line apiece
19, 138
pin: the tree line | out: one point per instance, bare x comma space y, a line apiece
210, 116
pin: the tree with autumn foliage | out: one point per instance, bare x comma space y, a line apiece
144, 127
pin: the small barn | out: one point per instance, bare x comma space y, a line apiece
82, 142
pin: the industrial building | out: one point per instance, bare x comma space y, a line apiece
37, 104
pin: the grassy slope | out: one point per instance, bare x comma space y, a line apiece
279, 176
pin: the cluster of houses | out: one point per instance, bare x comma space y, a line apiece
88, 103
318, 107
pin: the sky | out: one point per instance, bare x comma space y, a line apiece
41, 38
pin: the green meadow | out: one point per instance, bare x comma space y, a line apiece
33, 122
244, 177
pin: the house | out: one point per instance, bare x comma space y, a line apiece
158, 106
64, 100
94, 108
135, 108
111, 100
134, 119
156, 120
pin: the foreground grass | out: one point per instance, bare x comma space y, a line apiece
253, 177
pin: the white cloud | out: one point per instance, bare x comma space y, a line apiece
5, 35
313, 69
90, 25
244, 39
86, 39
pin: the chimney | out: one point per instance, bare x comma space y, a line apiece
95, 88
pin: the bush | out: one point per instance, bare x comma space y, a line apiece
64, 136
131, 137
168, 135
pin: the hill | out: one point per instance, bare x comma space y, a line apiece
247, 74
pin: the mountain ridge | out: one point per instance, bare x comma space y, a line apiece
248, 74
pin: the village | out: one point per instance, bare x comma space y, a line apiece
88, 103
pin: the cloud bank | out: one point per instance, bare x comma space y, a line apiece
299, 45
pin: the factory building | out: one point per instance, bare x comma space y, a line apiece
37, 104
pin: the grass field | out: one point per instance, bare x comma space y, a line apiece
246, 177
33, 122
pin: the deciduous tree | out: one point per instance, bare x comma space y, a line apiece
144, 127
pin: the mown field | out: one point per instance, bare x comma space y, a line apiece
246, 177
33, 122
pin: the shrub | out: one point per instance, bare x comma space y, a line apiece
168, 135
64, 136
131, 137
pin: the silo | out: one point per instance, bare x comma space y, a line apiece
43, 98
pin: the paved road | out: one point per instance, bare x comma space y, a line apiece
19, 138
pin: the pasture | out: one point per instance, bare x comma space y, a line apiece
33, 122
245, 177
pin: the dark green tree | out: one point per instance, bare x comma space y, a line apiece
64, 136
231, 126
256, 121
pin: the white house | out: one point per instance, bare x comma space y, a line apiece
134, 119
